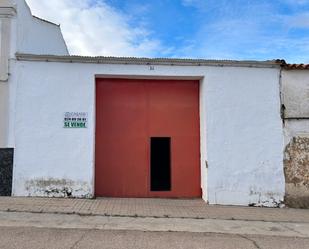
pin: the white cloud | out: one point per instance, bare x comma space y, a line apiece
250, 30
95, 28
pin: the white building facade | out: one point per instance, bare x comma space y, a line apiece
242, 139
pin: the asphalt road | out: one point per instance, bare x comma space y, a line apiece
59, 238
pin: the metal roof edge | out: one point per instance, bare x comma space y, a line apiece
146, 61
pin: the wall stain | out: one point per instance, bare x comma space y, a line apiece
269, 202
296, 170
265, 199
51, 187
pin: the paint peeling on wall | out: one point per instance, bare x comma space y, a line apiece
264, 199
268, 199
271, 202
296, 168
52, 187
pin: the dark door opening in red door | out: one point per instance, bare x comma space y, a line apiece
130, 114
160, 164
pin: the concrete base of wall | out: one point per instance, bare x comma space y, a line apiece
6, 171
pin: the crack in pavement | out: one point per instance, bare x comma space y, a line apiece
145, 216
291, 229
251, 240
79, 240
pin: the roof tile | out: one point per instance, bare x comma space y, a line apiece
296, 66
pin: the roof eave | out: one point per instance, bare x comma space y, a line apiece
147, 61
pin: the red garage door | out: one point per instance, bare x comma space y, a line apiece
147, 138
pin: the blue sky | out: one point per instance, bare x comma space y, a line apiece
214, 29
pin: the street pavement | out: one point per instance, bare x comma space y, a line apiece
51, 238
71, 231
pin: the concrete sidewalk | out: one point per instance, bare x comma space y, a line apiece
151, 208
152, 215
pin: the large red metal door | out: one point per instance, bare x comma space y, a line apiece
128, 114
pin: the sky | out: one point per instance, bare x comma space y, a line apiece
210, 29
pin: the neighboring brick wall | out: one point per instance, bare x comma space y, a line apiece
6, 171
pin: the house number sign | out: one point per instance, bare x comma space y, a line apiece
75, 120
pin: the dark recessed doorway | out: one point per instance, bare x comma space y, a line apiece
160, 163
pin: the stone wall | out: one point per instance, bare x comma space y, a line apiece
296, 168
295, 96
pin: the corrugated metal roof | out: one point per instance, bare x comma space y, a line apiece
147, 61
160, 61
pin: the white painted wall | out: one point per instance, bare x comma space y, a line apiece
295, 91
23, 33
241, 129
295, 97
5, 28
203, 139
4, 99
30, 34
35, 36
295, 128
7, 13
244, 137
44, 150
